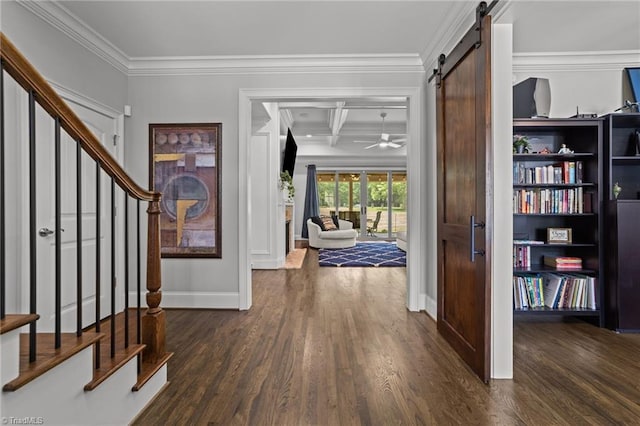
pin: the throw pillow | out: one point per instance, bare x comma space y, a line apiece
318, 221
335, 220
328, 223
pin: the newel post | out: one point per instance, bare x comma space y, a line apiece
153, 322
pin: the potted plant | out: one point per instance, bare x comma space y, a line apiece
521, 144
286, 186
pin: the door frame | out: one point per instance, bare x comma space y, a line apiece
417, 244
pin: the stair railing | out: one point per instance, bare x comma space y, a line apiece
151, 327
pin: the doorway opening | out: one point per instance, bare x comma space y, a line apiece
416, 245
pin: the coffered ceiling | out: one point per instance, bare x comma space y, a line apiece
338, 122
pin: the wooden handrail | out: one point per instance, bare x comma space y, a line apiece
26, 76
153, 322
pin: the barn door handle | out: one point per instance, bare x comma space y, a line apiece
472, 237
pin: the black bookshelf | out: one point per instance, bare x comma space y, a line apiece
621, 231
584, 218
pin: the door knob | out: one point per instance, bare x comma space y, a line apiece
45, 232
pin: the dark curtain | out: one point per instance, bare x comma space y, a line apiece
311, 204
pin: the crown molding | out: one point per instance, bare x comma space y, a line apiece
614, 60
453, 28
60, 18
63, 20
271, 64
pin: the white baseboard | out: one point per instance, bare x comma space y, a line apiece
200, 299
267, 263
431, 306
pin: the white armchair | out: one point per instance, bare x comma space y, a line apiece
343, 237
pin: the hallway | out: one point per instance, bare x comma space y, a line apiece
336, 346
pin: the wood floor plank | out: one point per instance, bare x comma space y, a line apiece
337, 346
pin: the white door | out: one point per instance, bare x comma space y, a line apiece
104, 127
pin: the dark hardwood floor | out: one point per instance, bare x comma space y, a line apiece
336, 346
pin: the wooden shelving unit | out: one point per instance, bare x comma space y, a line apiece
584, 137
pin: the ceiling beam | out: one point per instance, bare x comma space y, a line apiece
332, 105
337, 117
286, 120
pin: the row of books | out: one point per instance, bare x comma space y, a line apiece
555, 291
551, 201
522, 259
521, 256
567, 172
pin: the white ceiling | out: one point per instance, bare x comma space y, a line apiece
211, 28
151, 29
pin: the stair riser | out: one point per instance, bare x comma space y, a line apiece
10, 360
51, 395
58, 396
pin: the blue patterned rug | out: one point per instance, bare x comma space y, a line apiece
364, 254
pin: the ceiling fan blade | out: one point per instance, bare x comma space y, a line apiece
364, 141
400, 140
371, 146
394, 145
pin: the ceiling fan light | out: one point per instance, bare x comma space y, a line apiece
385, 137
384, 144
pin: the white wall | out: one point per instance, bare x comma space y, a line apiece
60, 59
214, 98
593, 83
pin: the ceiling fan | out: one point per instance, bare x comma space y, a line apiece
385, 139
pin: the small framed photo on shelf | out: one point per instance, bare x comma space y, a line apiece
559, 236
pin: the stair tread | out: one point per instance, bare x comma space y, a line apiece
12, 321
47, 357
109, 365
148, 369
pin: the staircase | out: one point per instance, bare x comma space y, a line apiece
96, 356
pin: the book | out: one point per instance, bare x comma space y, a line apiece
588, 202
552, 286
572, 172
579, 172
554, 260
568, 266
527, 242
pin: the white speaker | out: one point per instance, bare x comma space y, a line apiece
532, 98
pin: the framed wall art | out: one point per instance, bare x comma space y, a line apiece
185, 168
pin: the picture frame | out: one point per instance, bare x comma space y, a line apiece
185, 166
559, 236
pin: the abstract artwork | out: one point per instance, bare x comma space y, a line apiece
185, 168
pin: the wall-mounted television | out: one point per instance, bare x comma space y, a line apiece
633, 81
290, 151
